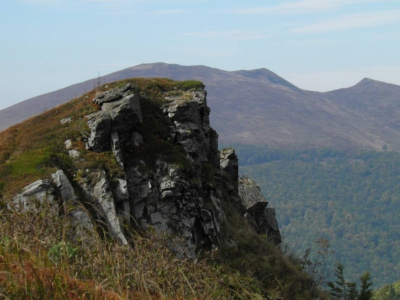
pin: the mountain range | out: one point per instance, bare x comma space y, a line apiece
259, 107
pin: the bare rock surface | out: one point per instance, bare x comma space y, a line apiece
192, 123
181, 201
80, 218
259, 216
99, 193
40, 190
125, 113
100, 131
230, 164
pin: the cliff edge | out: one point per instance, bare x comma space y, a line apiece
171, 192
139, 156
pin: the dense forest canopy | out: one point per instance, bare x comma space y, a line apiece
352, 200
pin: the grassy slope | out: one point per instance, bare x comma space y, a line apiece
38, 261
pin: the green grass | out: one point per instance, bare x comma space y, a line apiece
190, 85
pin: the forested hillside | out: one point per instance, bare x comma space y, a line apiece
388, 292
352, 200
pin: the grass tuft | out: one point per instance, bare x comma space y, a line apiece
39, 260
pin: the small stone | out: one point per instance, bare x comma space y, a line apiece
74, 153
66, 121
68, 144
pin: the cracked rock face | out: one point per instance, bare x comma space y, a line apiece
100, 130
104, 197
125, 113
120, 112
80, 218
166, 199
64, 186
192, 125
114, 95
99, 194
230, 164
169, 203
251, 195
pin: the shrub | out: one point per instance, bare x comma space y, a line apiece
189, 85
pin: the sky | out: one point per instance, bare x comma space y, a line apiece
317, 45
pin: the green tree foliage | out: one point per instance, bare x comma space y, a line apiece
366, 291
388, 292
340, 289
352, 200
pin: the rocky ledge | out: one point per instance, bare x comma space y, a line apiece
182, 198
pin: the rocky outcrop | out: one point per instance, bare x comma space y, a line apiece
114, 94
170, 203
230, 164
41, 190
125, 113
192, 125
120, 111
98, 194
164, 195
103, 197
259, 216
100, 131
79, 216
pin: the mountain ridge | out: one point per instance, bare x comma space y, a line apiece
263, 108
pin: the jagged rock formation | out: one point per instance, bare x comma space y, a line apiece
230, 164
259, 216
80, 218
177, 194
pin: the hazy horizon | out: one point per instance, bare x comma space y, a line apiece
317, 45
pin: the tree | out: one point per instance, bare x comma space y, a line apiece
340, 289
347, 290
366, 283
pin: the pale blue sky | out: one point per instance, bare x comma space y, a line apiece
316, 44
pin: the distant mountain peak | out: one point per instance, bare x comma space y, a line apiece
268, 75
366, 79
369, 81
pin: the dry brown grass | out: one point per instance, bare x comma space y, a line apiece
39, 261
